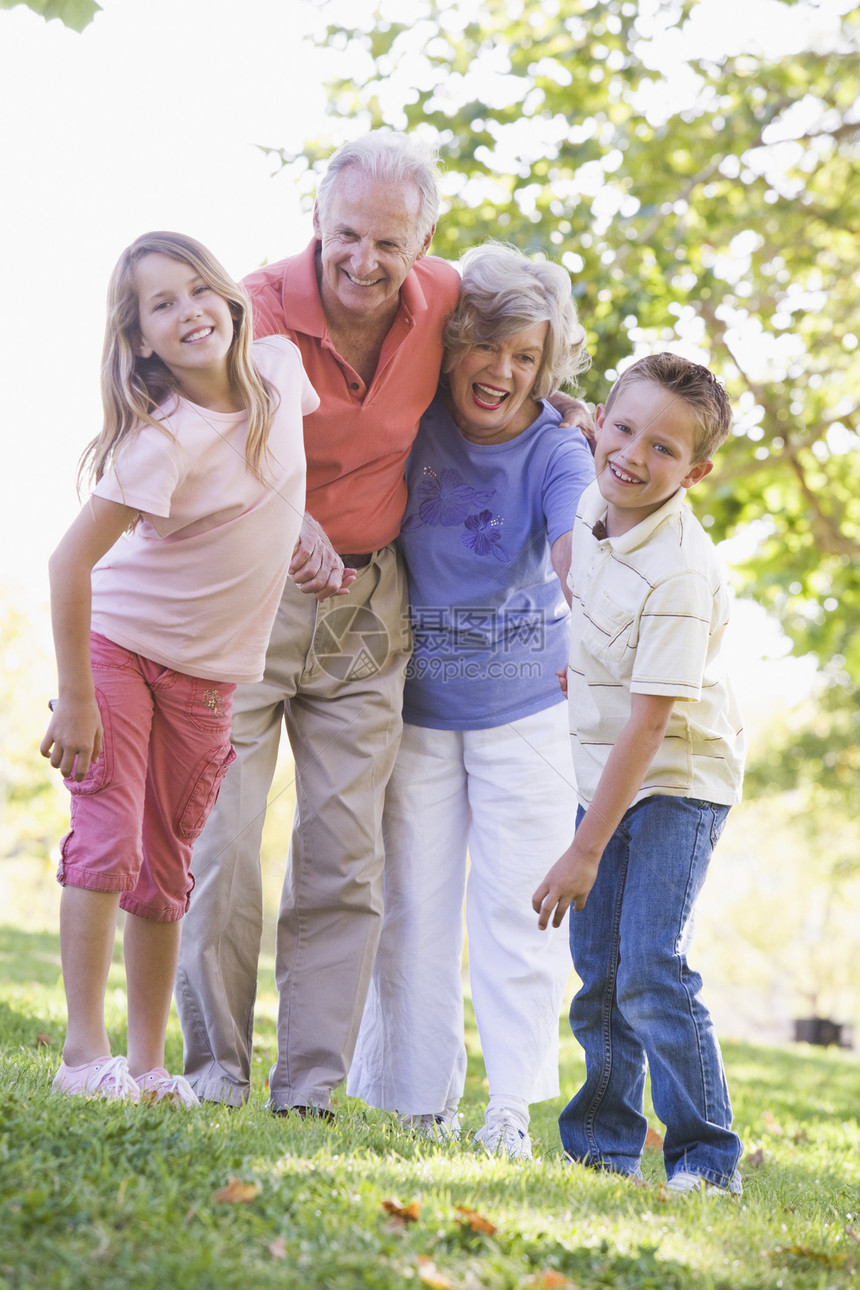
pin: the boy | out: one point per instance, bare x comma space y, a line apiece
658, 752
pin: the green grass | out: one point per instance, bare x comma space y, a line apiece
96, 1195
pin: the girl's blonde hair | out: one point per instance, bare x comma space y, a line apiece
134, 388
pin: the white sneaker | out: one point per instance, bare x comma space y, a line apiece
682, 1182
440, 1128
502, 1135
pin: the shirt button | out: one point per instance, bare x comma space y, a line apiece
354, 385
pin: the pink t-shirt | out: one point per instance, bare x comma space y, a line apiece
197, 584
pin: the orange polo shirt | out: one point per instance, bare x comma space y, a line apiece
358, 440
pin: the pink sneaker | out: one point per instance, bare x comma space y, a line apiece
157, 1084
105, 1077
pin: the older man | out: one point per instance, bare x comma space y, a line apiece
366, 308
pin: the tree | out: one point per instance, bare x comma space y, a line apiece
76, 14
713, 209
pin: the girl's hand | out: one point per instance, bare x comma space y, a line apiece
73, 741
562, 680
566, 886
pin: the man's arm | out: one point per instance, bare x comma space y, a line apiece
572, 876
316, 568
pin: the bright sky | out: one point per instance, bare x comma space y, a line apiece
149, 119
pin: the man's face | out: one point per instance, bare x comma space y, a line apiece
370, 240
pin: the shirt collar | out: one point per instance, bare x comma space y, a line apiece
594, 515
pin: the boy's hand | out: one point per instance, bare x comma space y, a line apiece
73, 741
566, 886
562, 681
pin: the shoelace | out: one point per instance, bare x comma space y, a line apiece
116, 1076
175, 1087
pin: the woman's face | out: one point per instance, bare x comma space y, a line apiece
490, 389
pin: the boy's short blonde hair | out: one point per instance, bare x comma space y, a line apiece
693, 383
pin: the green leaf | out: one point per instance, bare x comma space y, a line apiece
76, 14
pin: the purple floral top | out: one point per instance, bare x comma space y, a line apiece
488, 615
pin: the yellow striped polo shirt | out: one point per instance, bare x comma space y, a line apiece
650, 610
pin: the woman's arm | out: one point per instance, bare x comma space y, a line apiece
74, 736
560, 556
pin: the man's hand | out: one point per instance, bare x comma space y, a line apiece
566, 885
316, 568
575, 414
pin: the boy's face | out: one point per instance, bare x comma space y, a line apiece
646, 442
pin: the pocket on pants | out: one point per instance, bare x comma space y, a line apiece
202, 791
208, 704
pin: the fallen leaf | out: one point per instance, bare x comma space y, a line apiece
806, 1252
402, 1213
772, 1124
43, 1040
471, 1218
278, 1248
653, 1139
550, 1280
236, 1193
852, 1234
430, 1275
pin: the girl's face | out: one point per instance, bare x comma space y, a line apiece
182, 320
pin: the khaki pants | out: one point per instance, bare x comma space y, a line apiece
334, 674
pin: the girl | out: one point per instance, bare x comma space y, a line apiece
163, 593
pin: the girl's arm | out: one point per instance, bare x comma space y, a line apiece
74, 736
571, 878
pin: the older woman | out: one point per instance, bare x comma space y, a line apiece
485, 764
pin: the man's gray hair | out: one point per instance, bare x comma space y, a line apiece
394, 158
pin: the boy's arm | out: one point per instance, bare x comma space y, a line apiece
74, 736
572, 876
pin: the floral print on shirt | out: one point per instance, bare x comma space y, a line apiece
448, 500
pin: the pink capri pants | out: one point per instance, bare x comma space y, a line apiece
136, 814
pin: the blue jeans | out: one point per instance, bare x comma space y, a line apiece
640, 1000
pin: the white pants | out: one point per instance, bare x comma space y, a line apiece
507, 795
